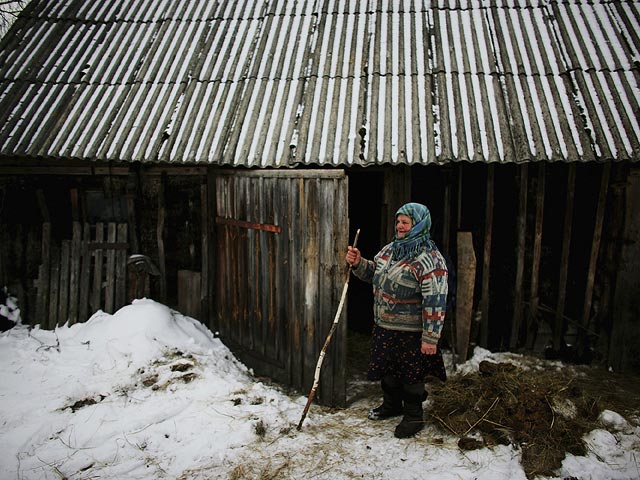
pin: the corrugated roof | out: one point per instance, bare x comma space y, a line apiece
334, 82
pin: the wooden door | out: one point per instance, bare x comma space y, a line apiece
280, 240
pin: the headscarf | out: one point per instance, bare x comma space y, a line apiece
418, 237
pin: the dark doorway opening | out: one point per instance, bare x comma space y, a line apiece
365, 207
365, 197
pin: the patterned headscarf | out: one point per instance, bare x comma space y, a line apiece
418, 237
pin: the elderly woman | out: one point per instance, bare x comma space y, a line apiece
409, 277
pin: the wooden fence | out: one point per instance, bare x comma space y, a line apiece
83, 275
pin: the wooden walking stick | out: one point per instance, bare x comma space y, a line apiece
316, 377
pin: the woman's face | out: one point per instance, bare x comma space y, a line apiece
403, 225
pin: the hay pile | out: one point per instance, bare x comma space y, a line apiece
544, 413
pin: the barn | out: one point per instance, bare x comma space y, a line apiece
218, 156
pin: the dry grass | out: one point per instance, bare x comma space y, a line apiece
543, 412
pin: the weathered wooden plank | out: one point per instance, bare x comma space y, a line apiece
534, 300
74, 274
270, 244
518, 289
296, 271
40, 297
261, 264
338, 270
54, 282
595, 243
63, 295
96, 292
466, 279
326, 295
252, 318
284, 281
133, 193
240, 261
44, 273
121, 268
85, 274
110, 272
564, 259
486, 257
133, 225
313, 334
223, 261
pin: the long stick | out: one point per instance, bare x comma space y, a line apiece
316, 377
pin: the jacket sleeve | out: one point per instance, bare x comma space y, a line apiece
434, 304
365, 270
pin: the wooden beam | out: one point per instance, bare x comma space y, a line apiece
121, 268
535, 260
110, 289
63, 303
520, 251
564, 259
466, 280
96, 292
133, 190
595, 244
45, 170
486, 257
85, 275
44, 274
74, 277
54, 283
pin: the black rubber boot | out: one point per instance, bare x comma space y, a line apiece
412, 421
391, 400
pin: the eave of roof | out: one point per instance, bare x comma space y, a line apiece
283, 83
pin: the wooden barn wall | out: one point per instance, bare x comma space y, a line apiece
536, 270
162, 211
625, 337
547, 241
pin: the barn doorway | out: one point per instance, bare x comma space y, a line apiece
365, 211
374, 196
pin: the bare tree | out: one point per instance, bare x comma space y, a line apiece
9, 10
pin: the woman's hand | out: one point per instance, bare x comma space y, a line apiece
353, 257
429, 348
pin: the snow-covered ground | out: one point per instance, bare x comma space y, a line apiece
147, 393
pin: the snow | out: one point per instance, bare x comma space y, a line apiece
148, 393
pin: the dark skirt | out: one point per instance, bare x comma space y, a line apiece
398, 354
